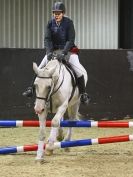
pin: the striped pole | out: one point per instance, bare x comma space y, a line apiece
89, 124
22, 123
64, 144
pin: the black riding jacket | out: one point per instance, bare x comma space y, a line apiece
59, 36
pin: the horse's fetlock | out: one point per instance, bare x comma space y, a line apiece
50, 145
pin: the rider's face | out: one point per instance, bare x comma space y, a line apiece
58, 15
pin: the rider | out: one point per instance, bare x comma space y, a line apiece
59, 38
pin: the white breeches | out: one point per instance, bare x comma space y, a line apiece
76, 65
74, 62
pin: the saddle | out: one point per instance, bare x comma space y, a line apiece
73, 76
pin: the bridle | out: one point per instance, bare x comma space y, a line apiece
43, 98
51, 89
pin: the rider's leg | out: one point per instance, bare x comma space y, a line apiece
79, 70
30, 90
82, 90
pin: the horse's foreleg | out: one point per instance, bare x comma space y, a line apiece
60, 113
55, 125
53, 134
51, 140
40, 151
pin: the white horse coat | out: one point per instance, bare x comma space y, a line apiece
54, 84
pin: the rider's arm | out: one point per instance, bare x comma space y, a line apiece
71, 38
47, 39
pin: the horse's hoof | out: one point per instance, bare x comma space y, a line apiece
48, 152
60, 138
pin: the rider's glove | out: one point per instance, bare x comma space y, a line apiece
61, 57
49, 56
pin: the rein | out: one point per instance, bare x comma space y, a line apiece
41, 77
59, 85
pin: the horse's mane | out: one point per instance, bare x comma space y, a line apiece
51, 64
51, 67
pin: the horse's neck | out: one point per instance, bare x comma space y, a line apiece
60, 67
59, 72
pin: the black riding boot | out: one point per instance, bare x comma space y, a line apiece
84, 96
30, 90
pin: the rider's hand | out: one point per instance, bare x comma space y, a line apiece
49, 56
61, 57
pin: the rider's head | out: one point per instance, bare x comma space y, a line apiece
58, 11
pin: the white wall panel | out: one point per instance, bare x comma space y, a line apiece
22, 22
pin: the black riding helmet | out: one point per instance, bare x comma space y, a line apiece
59, 6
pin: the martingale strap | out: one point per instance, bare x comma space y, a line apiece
59, 86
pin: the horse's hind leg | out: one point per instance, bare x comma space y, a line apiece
73, 115
60, 133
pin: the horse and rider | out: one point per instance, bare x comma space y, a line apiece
57, 90
59, 39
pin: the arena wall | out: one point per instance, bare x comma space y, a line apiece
110, 83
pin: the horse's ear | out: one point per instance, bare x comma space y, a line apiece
35, 68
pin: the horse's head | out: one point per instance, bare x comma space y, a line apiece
44, 84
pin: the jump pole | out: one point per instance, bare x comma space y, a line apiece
65, 123
65, 144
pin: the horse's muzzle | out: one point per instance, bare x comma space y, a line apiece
38, 111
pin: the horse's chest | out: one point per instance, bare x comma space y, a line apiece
54, 105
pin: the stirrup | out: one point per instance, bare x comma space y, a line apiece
29, 92
85, 99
